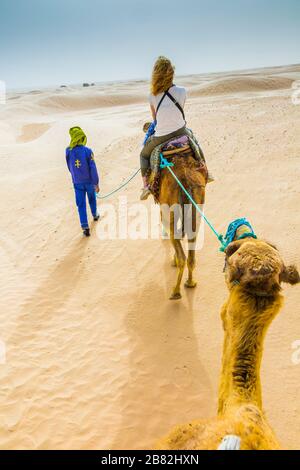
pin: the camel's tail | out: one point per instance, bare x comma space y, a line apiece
193, 181
190, 217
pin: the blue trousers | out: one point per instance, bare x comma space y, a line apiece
81, 190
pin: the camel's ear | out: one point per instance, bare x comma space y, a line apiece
290, 275
232, 248
234, 272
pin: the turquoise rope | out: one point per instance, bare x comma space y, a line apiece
166, 164
120, 187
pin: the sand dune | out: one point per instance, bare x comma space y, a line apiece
33, 131
233, 85
79, 102
96, 354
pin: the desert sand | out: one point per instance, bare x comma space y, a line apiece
97, 357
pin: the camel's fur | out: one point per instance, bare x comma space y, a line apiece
254, 272
186, 170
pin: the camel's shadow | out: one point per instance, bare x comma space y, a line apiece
167, 382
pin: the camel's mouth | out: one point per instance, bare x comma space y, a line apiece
262, 287
256, 283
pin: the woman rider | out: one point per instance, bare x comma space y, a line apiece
170, 121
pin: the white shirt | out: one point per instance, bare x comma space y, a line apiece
169, 118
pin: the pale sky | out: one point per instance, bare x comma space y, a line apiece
53, 42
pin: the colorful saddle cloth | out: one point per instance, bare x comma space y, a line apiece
177, 143
172, 144
198, 154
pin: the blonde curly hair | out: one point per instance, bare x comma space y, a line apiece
162, 75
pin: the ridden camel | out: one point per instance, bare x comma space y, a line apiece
254, 271
176, 209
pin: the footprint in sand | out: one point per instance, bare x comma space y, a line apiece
182, 376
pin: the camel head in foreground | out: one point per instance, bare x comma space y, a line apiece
254, 272
257, 267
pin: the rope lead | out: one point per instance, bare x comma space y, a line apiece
120, 187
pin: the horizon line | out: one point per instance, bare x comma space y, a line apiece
139, 79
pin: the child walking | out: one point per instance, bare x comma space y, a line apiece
82, 166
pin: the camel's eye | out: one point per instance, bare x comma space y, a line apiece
232, 248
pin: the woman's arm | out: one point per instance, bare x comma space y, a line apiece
185, 96
153, 112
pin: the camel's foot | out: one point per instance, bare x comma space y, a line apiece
175, 295
190, 284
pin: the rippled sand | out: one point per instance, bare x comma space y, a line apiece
96, 354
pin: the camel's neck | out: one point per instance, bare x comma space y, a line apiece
246, 319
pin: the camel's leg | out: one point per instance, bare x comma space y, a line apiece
174, 261
191, 263
165, 217
192, 237
180, 259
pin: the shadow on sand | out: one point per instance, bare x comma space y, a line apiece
167, 383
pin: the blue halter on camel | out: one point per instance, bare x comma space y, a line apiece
231, 232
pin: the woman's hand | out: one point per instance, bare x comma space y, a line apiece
97, 189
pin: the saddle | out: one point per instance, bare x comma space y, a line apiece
176, 147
